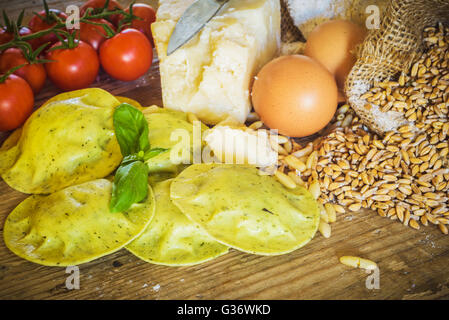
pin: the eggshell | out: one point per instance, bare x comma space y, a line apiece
341, 96
332, 44
295, 95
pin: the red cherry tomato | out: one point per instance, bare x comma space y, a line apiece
5, 36
148, 16
94, 34
98, 4
16, 102
25, 31
37, 24
127, 56
35, 43
34, 73
73, 69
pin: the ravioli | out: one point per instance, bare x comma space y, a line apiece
9, 150
130, 101
157, 177
169, 129
74, 225
244, 210
68, 141
171, 238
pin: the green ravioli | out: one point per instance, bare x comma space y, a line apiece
68, 141
171, 238
244, 210
74, 225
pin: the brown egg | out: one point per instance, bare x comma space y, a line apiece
295, 95
341, 96
332, 44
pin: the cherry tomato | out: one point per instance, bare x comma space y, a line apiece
98, 4
24, 31
34, 73
126, 56
5, 36
148, 16
35, 43
73, 69
94, 34
41, 23
16, 102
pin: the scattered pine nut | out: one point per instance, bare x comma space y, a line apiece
357, 262
325, 229
285, 180
314, 189
296, 178
256, 125
323, 213
295, 163
304, 152
443, 228
331, 213
339, 209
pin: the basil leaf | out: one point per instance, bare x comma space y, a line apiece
130, 186
131, 179
153, 153
133, 157
131, 130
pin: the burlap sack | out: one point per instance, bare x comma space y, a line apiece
389, 51
289, 32
386, 52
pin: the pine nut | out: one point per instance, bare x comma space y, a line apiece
357, 262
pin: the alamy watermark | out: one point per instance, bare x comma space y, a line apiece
224, 144
373, 20
73, 17
373, 280
72, 282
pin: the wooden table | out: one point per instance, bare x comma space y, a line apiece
413, 264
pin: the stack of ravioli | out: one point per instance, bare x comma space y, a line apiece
65, 156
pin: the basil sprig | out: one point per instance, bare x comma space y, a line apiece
131, 130
131, 179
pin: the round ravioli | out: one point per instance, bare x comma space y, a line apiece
170, 129
9, 151
130, 101
68, 141
74, 225
171, 238
245, 210
158, 177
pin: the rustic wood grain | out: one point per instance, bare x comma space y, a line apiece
412, 263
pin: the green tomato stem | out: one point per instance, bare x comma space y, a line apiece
10, 72
61, 24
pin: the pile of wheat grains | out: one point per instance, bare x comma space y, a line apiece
403, 175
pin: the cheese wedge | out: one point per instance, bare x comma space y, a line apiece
211, 75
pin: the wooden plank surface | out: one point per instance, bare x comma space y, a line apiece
412, 263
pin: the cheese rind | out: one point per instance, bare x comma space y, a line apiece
211, 75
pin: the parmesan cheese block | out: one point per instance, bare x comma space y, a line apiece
211, 75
